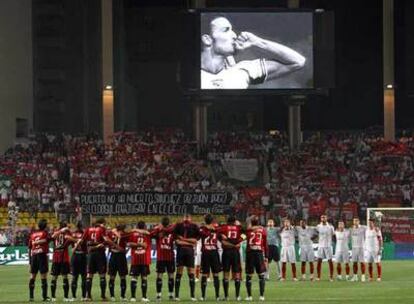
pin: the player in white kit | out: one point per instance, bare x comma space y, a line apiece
342, 236
325, 232
305, 234
197, 261
287, 253
358, 243
373, 249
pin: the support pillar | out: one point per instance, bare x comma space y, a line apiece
107, 71
200, 124
388, 69
294, 104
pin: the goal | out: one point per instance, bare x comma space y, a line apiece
397, 227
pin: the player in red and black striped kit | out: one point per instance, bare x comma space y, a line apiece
186, 235
118, 261
256, 256
96, 239
140, 244
62, 239
78, 261
165, 255
231, 260
38, 249
210, 259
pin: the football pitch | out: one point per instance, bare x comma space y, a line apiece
397, 286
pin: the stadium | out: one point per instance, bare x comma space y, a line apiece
207, 151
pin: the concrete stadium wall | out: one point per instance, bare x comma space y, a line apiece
16, 68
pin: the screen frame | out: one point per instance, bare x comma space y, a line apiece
264, 91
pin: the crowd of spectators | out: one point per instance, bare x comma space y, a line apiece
331, 171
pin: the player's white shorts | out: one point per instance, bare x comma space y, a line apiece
325, 253
358, 255
342, 256
307, 254
372, 257
288, 255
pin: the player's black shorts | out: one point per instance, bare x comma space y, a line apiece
60, 268
255, 261
166, 266
39, 263
231, 260
96, 262
118, 264
274, 254
139, 270
210, 260
185, 257
78, 264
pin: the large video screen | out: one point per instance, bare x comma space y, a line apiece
256, 50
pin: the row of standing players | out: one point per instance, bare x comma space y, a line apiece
366, 243
89, 258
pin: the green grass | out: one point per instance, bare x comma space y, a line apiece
396, 287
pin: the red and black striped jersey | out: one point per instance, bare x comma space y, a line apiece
140, 256
186, 230
165, 244
120, 238
81, 248
61, 247
257, 239
94, 236
231, 233
38, 236
209, 239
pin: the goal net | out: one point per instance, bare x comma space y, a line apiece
397, 227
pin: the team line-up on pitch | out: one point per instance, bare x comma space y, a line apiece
177, 246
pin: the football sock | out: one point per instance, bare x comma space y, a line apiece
226, 287
102, 284
177, 285
192, 284
249, 285
216, 286
262, 283
44, 288
237, 284
133, 287
331, 268
303, 268
31, 288
123, 287
203, 286
74, 285
294, 270
144, 287
159, 285
53, 288
379, 270
89, 288
112, 287
170, 285
65, 288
